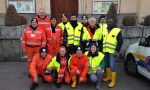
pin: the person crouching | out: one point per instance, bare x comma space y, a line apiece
59, 65
38, 67
96, 65
78, 67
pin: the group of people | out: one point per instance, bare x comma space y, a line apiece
71, 52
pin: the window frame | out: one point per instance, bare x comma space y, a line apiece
30, 5
104, 1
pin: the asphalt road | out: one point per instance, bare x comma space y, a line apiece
13, 76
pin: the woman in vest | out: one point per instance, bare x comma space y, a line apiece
96, 65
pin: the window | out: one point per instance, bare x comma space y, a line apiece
23, 6
102, 6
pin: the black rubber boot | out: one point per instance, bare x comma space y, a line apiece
29, 76
33, 86
58, 85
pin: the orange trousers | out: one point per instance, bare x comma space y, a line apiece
63, 74
46, 78
30, 54
73, 74
53, 50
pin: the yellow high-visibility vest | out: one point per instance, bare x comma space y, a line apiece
74, 34
94, 62
54, 63
110, 40
103, 26
62, 26
98, 35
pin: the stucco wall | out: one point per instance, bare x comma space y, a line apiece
143, 9
3, 6
128, 6
138, 7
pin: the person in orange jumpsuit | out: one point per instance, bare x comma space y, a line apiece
38, 68
78, 67
54, 35
42, 18
33, 39
60, 62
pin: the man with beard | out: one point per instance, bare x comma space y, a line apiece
112, 42
75, 34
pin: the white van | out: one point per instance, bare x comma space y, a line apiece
137, 59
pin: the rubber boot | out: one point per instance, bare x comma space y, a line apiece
58, 85
74, 82
33, 86
108, 75
113, 81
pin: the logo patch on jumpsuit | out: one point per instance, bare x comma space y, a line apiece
32, 35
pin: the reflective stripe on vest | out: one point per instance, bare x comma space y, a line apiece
77, 34
110, 40
73, 34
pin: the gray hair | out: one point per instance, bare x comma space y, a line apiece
92, 19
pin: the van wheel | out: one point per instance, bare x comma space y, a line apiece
131, 66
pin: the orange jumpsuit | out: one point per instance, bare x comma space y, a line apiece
54, 39
32, 41
38, 67
42, 23
64, 71
80, 64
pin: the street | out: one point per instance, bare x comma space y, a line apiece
14, 76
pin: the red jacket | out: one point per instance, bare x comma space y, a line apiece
33, 38
80, 64
54, 38
42, 23
39, 65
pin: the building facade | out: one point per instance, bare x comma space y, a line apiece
138, 8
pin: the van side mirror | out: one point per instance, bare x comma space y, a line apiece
142, 41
